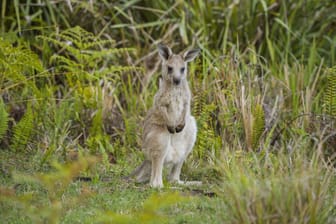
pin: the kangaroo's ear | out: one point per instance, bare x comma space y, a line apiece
191, 54
164, 51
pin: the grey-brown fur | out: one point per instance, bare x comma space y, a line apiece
169, 129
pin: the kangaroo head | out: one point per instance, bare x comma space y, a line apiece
174, 66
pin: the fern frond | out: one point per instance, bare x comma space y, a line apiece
83, 39
199, 101
64, 44
330, 93
107, 52
77, 38
16, 63
3, 120
23, 131
207, 140
64, 60
97, 123
258, 125
85, 54
121, 69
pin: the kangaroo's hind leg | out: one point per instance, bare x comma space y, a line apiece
156, 174
174, 175
156, 144
183, 142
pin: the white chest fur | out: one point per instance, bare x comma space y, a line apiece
175, 154
175, 106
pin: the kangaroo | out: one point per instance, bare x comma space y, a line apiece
169, 129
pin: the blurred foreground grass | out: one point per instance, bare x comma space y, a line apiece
241, 188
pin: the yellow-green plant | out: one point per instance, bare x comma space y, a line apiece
3, 120
330, 93
269, 188
151, 211
253, 119
208, 142
84, 57
23, 131
58, 117
87, 64
19, 68
258, 126
55, 183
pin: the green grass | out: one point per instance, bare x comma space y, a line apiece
107, 198
243, 188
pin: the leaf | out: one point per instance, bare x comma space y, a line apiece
3, 120
23, 131
258, 125
330, 93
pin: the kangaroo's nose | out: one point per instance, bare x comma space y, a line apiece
176, 81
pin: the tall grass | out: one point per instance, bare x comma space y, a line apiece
260, 79
276, 188
282, 31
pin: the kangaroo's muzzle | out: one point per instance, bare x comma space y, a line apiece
176, 81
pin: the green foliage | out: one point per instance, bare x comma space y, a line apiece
258, 125
82, 61
208, 143
253, 117
131, 131
199, 102
278, 30
254, 53
17, 65
81, 192
330, 93
20, 69
55, 133
23, 131
97, 124
268, 188
55, 184
3, 120
84, 56
149, 213
100, 145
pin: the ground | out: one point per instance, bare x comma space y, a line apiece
106, 196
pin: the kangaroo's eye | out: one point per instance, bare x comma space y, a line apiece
182, 69
170, 69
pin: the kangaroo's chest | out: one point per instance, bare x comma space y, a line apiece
175, 104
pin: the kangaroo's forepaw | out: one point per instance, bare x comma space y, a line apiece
171, 129
179, 127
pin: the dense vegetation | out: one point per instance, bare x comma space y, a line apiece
77, 77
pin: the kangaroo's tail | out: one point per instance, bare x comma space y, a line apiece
141, 173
